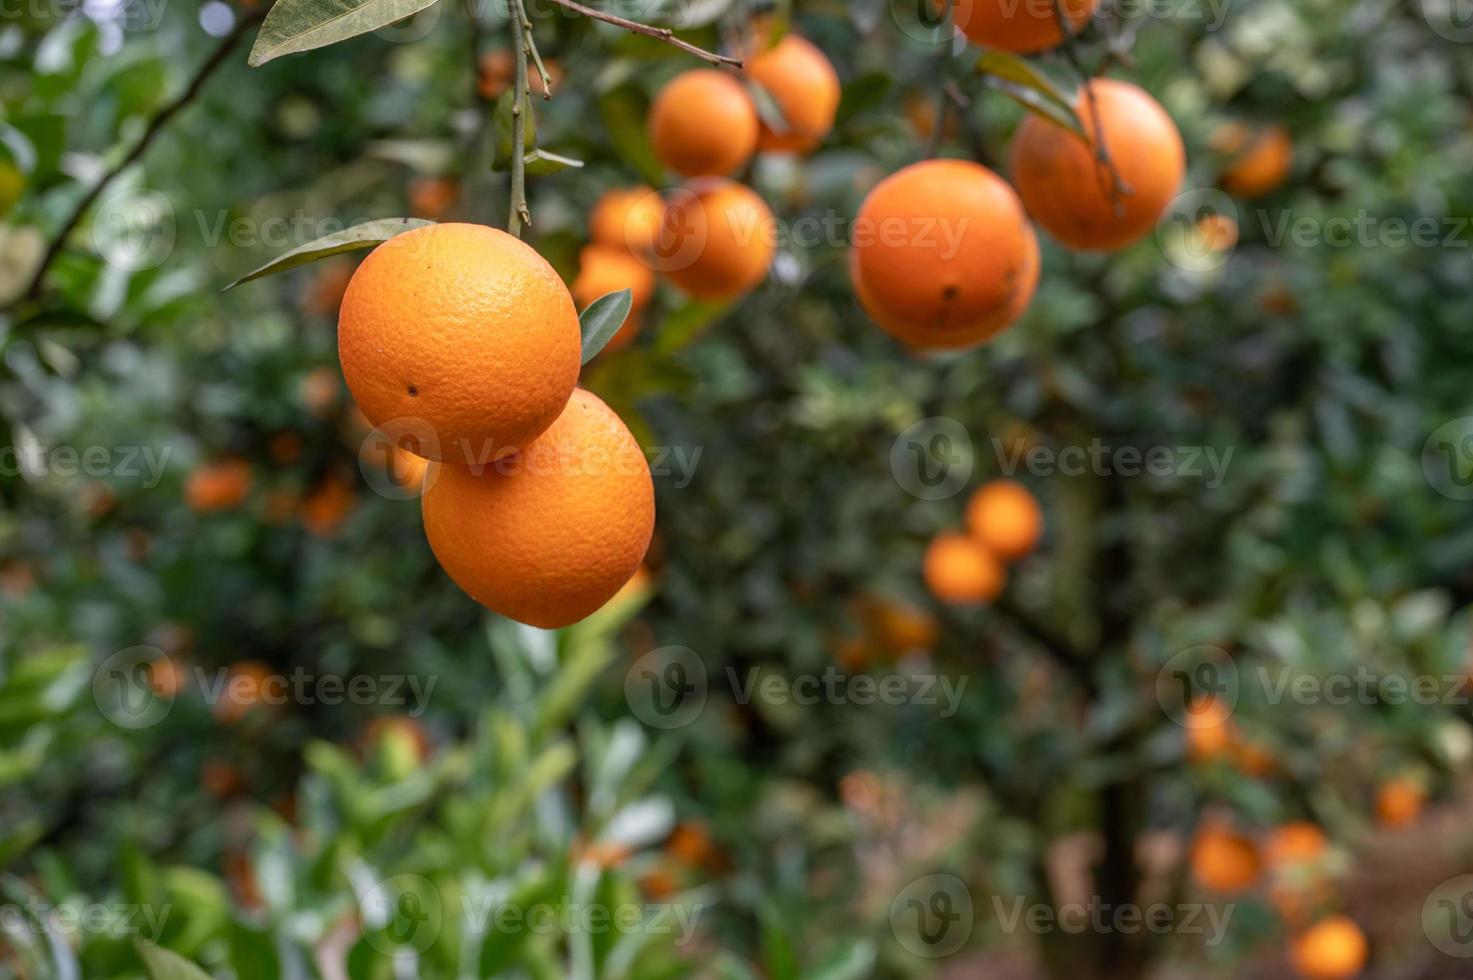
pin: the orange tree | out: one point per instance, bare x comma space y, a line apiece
1234, 423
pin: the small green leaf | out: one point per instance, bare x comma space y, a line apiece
161, 964
293, 26
540, 163
768, 110
1031, 88
365, 235
501, 130
602, 320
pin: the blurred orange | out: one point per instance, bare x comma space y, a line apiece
1224, 861
217, 486
1210, 730
960, 571
242, 691
659, 884
432, 197
897, 627
1331, 949
499, 67
690, 844
1259, 160
318, 391
324, 508
220, 779
165, 676
1005, 518
1294, 843
1399, 801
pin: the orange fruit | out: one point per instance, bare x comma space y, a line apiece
1020, 26
703, 123
222, 485
220, 779
318, 391
1005, 518
165, 676
1211, 732
606, 269
549, 535
942, 254
897, 627
853, 653
1295, 843
1399, 801
1223, 861
1216, 232
1252, 759
324, 508
1259, 162
406, 469
465, 328
958, 570
717, 239
1331, 949
432, 197
802, 81
244, 689
498, 68
659, 884
1070, 193
690, 844
627, 218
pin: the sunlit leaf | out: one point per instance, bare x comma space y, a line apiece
365, 235
293, 26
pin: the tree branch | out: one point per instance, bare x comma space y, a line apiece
521, 104
662, 33
1116, 188
155, 126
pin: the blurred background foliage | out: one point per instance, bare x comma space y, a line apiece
235, 524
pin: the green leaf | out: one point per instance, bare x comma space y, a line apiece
293, 26
602, 320
161, 964
1031, 88
624, 121
540, 163
502, 135
767, 108
365, 235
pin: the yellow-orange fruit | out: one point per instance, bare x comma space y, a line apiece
466, 328
627, 218
1259, 162
218, 486
1005, 518
1223, 861
1331, 949
703, 123
717, 239
605, 269
1073, 195
498, 68
1211, 732
1399, 802
432, 197
958, 570
327, 505
942, 254
897, 627
802, 81
1216, 232
1022, 26
245, 688
549, 535
406, 469
1294, 843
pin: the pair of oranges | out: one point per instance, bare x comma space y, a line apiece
462, 344
1004, 523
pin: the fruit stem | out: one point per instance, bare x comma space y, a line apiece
518, 213
1115, 186
662, 33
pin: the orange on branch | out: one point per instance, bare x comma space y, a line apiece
960, 571
717, 239
465, 328
1259, 161
627, 218
1224, 861
703, 123
1331, 949
1071, 192
1005, 518
218, 486
942, 254
802, 81
1020, 26
605, 269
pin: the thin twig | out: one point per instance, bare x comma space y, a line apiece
155, 126
521, 103
663, 33
537, 58
1110, 180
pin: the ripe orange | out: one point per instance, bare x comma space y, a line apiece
1331, 949
222, 485
717, 239
690, 844
1216, 232
897, 627
324, 508
1211, 732
1005, 518
1259, 162
466, 328
318, 391
165, 676
1295, 843
498, 68
1223, 861
549, 535
1021, 26
604, 269
244, 689
406, 469
802, 81
432, 197
958, 570
628, 219
1399, 801
1070, 193
942, 254
703, 123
